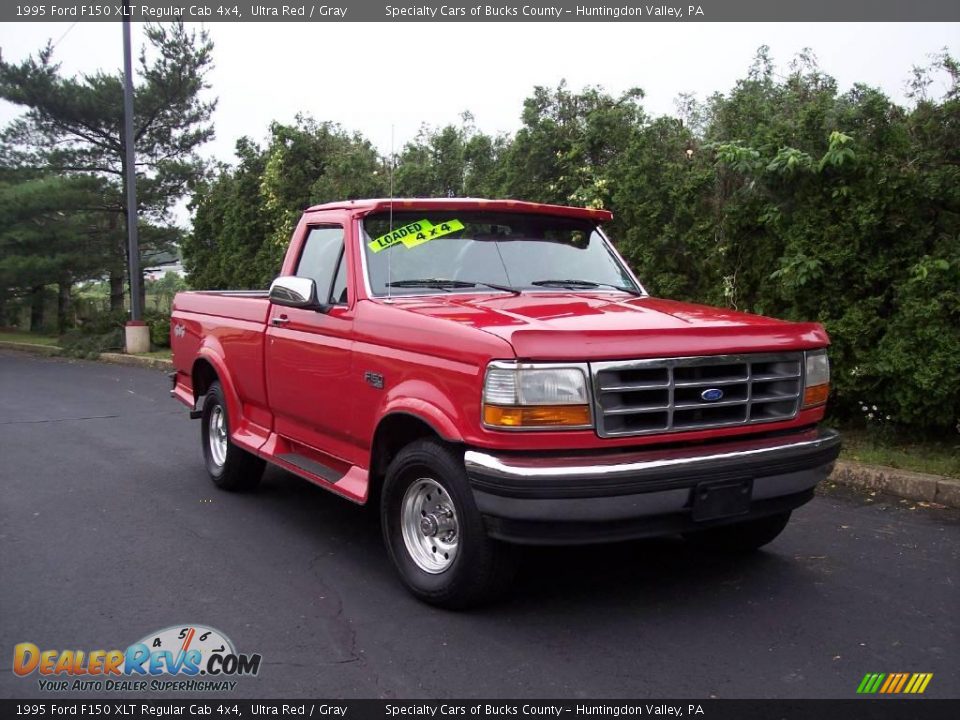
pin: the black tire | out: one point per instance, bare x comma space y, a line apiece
481, 569
740, 537
239, 470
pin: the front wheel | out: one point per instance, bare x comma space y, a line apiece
434, 533
740, 537
230, 467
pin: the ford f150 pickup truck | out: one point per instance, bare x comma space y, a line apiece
492, 373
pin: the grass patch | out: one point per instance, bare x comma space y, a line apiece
158, 354
27, 337
936, 457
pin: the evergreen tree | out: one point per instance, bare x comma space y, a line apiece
73, 126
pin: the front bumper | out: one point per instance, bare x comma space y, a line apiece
604, 496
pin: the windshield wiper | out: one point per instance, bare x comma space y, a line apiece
575, 284
446, 285
436, 283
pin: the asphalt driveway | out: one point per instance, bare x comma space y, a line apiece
109, 529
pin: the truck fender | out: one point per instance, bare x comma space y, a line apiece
432, 412
209, 352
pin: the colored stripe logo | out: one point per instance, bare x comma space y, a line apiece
894, 683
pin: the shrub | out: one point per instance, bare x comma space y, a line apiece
159, 324
80, 344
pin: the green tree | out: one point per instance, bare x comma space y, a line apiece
244, 217
569, 143
73, 125
452, 161
50, 233
844, 209
229, 226
783, 197
664, 212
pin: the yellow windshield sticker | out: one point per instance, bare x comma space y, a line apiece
414, 234
431, 231
392, 238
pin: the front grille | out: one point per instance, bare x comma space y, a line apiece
638, 397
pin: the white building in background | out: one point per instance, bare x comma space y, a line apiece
155, 273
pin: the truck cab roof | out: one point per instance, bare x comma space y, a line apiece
372, 205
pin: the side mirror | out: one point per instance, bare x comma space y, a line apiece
297, 292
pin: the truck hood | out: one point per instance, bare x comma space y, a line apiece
596, 326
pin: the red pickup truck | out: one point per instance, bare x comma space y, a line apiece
494, 374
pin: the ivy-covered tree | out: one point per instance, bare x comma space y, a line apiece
844, 208
229, 225
784, 196
245, 215
569, 143
452, 161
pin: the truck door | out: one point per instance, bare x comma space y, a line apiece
308, 353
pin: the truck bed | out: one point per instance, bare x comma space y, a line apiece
249, 305
226, 326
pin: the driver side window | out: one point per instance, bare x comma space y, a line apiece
322, 260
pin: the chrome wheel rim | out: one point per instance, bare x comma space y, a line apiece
217, 435
430, 527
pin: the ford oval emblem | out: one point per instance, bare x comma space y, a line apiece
711, 394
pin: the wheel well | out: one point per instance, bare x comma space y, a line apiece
203, 376
393, 434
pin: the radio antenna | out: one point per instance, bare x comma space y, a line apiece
390, 247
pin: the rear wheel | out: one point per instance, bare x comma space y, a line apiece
230, 467
434, 533
740, 537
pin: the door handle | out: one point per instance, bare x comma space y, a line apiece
282, 320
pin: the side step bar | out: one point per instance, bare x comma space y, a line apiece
312, 466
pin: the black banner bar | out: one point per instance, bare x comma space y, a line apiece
857, 709
487, 11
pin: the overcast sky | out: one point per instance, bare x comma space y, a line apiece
346, 73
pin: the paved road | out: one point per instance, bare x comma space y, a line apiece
109, 529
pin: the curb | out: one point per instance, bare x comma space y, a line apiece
116, 358
137, 361
903, 483
49, 350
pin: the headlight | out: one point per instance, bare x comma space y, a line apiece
535, 396
816, 378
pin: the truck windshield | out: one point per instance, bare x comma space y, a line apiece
430, 251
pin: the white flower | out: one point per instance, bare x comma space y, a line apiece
870, 415
888, 417
874, 408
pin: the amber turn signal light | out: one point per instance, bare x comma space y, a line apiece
536, 416
816, 395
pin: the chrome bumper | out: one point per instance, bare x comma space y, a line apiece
580, 494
